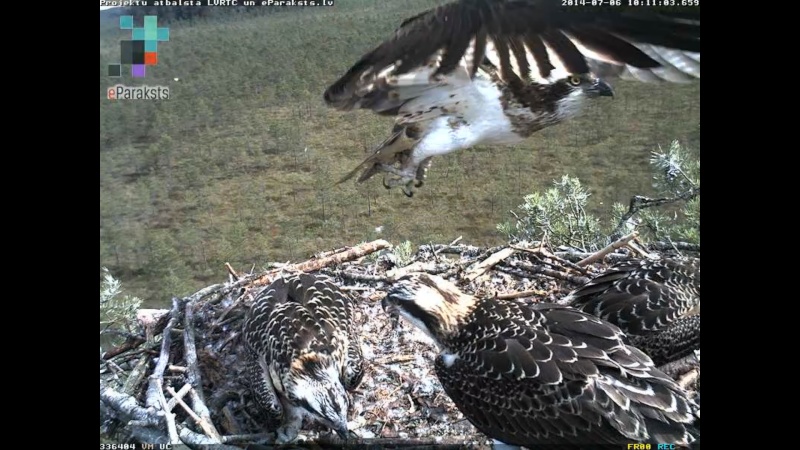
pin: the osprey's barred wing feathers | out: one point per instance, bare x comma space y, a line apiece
556, 375
526, 41
641, 296
300, 315
545, 374
678, 339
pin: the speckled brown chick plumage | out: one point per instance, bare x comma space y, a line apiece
542, 374
303, 353
655, 302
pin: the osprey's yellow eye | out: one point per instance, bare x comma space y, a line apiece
574, 80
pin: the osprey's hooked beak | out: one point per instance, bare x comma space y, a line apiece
600, 89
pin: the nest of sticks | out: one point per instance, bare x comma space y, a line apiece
180, 380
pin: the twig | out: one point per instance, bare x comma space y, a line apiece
419, 266
190, 437
312, 265
193, 372
547, 254
418, 443
127, 406
131, 342
231, 271
597, 256
480, 268
206, 426
538, 269
163, 357
181, 393
169, 416
639, 203
136, 376
636, 248
520, 294
246, 437
391, 359
180, 369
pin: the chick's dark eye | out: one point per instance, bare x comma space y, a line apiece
573, 80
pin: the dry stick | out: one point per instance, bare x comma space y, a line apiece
544, 252
136, 376
597, 256
163, 358
536, 269
392, 442
639, 203
179, 369
127, 406
246, 437
231, 271
636, 248
419, 266
169, 416
480, 268
391, 359
181, 393
312, 265
193, 372
520, 294
206, 426
131, 342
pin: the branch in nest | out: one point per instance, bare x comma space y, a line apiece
639, 203
520, 294
313, 265
480, 268
599, 255
193, 373
540, 269
202, 422
127, 406
131, 342
419, 266
152, 399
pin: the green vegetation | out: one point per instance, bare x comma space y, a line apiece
561, 214
117, 311
239, 164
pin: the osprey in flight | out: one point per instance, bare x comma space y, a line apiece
303, 353
493, 72
545, 374
656, 303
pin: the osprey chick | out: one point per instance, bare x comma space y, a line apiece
303, 353
545, 374
656, 303
493, 72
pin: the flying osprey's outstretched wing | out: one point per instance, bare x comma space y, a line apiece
493, 72
526, 41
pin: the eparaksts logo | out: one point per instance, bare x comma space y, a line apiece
121, 92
